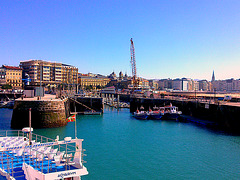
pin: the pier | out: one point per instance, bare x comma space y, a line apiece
49, 111
85, 105
224, 114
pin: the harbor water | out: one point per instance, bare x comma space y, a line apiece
121, 147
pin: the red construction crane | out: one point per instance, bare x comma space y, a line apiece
133, 63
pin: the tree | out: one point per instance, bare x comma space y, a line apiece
6, 86
99, 87
89, 87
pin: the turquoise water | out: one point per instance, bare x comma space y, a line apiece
121, 147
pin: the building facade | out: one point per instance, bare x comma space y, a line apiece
13, 76
42, 72
228, 85
2, 76
177, 84
164, 84
90, 80
204, 85
153, 84
69, 74
49, 73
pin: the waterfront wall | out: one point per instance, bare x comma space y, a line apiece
45, 114
227, 117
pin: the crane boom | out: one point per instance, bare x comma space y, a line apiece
133, 63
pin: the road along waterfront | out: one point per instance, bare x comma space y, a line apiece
121, 147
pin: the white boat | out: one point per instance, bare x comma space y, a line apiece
140, 114
7, 104
3, 103
25, 155
171, 112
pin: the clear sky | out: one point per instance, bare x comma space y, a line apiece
172, 38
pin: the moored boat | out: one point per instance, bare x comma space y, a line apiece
157, 114
92, 113
140, 114
171, 112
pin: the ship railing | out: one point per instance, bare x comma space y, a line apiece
82, 155
6, 133
9, 169
41, 160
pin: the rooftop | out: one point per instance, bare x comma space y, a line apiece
12, 67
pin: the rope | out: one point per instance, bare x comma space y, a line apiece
82, 104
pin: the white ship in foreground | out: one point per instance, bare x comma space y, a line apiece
25, 155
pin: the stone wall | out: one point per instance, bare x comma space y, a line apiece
45, 114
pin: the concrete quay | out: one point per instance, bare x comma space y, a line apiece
225, 114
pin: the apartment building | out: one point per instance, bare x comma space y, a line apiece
164, 84
228, 85
69, 75
204, 85
12, 75
153, 84
177, 84
48, 73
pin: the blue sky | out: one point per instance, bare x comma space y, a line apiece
173, 38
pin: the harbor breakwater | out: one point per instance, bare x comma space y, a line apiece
44, 113
51, 112
227, 117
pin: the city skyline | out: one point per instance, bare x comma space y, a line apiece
172, 39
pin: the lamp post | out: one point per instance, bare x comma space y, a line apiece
214, 94
30, 127
40, 80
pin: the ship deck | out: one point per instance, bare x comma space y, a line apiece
44, 155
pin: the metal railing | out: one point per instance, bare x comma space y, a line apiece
68, 151
6, 133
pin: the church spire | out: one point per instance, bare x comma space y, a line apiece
213, 76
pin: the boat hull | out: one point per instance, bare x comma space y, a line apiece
140, 115
155, 116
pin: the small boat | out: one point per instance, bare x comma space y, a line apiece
7, 104
140, 114
91, 113
25, 155
3, 103
171, 112
156, 114
10, 104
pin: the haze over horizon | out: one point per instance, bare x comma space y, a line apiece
173, 39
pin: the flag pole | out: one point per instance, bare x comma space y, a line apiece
75, 122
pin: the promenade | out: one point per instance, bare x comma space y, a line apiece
47, 97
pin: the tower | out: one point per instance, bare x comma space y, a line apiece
213, 84
120, 75
213, 77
